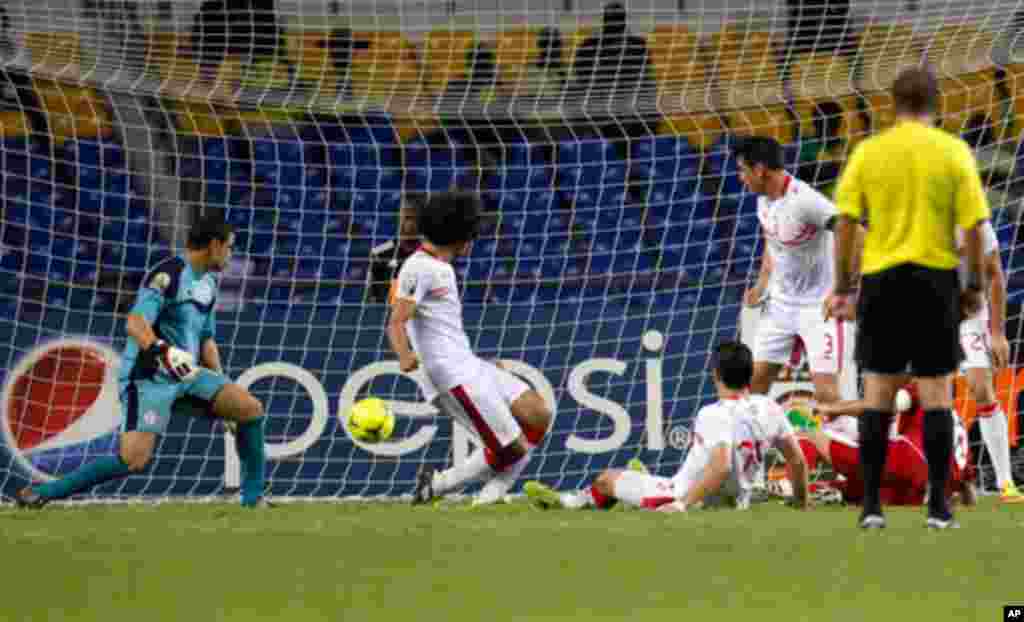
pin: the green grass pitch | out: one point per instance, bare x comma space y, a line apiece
356, 562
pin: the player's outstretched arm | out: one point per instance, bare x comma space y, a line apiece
401, 312
796, 467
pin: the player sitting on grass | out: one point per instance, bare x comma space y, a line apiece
426, 328
730, 438
905, 481
169, 326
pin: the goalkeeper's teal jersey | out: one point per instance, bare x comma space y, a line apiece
178, 303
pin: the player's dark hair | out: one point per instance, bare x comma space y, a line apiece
734, 364
916, 91
207, 228
763, 150
449, 218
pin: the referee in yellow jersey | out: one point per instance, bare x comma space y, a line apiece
914, 186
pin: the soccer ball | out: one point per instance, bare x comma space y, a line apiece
371, 420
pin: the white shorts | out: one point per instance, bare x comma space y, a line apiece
484, 406
975, 339
829, 344
641, 490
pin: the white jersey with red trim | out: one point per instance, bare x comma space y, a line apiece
801, 245
749, 426
989, 245
436, 329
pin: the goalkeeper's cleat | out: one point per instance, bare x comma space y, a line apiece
542, 496
637, 466
1010, 494
262, 503
27, 498
424, 491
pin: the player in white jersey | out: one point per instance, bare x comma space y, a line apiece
796, 273
426, 332
986, 349
726, 457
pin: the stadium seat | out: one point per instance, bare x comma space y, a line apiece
388, 67
961, 56
815, 78
515, 50
884, 51
700, 129
774, 121
444, 56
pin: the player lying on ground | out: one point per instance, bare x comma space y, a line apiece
425, 328
796, 273
905, 481
725, 460
171, 325
986, 350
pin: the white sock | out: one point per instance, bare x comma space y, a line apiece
475, 467
577, 500
996, 432
503, 481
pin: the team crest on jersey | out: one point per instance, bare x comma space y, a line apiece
202, 292
408, 285
160, 282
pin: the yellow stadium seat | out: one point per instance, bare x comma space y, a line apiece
880, 109
13, 124
884, 51
961, 57
746, 74
1015, 83
515, 50
389, 66
54, 53
310, 54
819, 77
677, 58
444, 56
773, 121
700, 129
73, 111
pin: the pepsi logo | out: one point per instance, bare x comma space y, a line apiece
59, 405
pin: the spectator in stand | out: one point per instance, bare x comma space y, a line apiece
542, 96
614, 82
470, 111
16, 92
821, 155
818, 26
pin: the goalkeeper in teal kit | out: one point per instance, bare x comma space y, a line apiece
170, 328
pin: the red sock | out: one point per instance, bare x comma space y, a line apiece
534, 435
810, 452
601, 501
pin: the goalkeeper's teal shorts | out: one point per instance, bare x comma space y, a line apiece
147, 404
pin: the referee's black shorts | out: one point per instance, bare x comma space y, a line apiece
908, 320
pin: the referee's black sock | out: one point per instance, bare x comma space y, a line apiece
874, 445
938, 450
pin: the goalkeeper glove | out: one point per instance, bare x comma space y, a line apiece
177, 363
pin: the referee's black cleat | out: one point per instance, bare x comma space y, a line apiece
424, 492
942, 522
29, 499
872, 521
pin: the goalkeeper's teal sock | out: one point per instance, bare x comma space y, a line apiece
96, 472
253, 459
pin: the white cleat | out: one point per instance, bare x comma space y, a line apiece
493, 493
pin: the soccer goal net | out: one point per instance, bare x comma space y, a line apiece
617, 243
